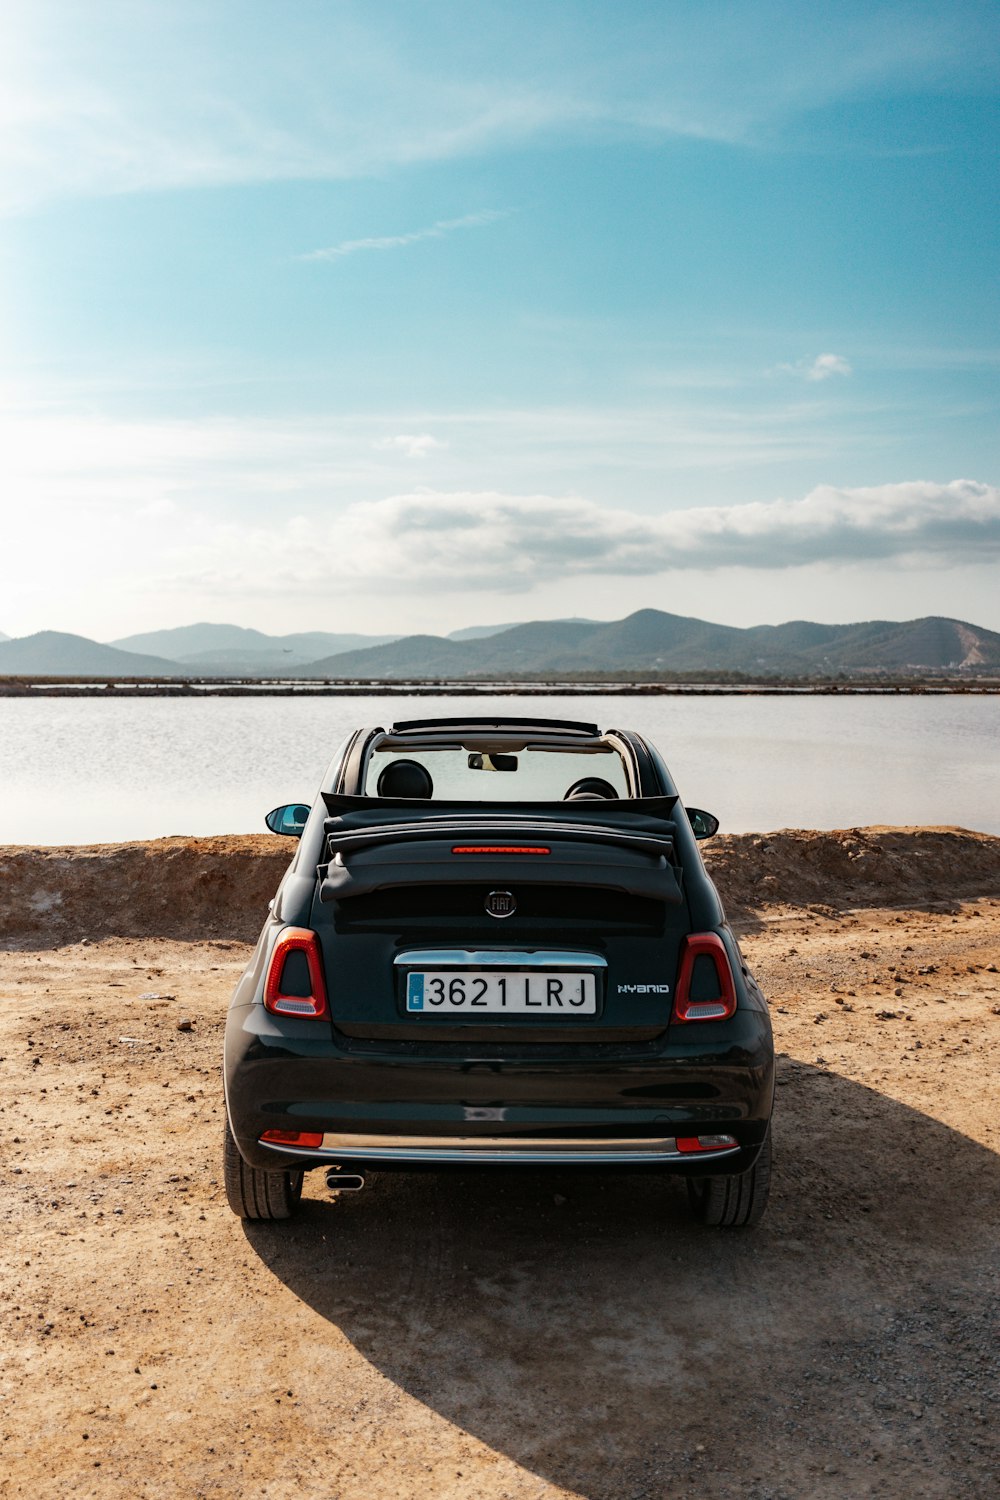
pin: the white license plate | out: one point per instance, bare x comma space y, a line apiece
515, 992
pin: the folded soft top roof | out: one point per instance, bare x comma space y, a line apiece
506, 726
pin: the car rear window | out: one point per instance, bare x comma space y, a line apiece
533, 774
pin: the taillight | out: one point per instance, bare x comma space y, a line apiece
500, 849
691, 1145
294, 984
309, 1140
706, 990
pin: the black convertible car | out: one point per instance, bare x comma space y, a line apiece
497, 945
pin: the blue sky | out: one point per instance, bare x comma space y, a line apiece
409, 316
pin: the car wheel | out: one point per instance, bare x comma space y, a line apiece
254, 1194
733, 1202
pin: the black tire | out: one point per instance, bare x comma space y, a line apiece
733, 1202
255, 1194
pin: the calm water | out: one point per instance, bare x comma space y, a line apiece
77, 771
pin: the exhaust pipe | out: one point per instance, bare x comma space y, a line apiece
344, 1182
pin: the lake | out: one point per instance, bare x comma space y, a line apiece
76, 771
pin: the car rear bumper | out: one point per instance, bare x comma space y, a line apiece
472, 1105
510, 1151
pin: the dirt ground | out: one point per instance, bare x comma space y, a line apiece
530, 1336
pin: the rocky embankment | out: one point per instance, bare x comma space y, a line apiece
196, 888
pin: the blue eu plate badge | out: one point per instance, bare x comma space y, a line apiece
415, 992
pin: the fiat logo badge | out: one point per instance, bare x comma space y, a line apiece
500, 904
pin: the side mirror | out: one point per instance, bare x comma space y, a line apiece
703, 824
290, 819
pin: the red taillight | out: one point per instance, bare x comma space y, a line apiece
499, 849
311, 1139
689, 1145
296, 940
704, 1007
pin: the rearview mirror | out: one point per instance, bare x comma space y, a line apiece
492, 762
703, 824
290, 819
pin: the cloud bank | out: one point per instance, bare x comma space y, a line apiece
512, 543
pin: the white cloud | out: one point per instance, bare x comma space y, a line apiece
141, 526
435, 231
825, 365
821, 368
413, 445
180, 511
522, 539
486, 540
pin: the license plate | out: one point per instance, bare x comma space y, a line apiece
515, 992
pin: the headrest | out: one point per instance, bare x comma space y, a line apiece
589, 787
405, 778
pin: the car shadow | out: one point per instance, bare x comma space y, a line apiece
588, 1329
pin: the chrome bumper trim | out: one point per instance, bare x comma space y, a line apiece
507, 1150
494, 958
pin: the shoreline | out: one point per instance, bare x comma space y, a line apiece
45, 688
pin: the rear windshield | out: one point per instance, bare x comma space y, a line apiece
533, 774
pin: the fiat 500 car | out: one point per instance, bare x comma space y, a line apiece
497, 946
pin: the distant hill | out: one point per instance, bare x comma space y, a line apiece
649, 641
235, 651
653, 641
4, 637
479, 632
52, 653
184, 639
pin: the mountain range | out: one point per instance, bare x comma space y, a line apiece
647, 642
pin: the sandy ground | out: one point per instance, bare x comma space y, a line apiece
523, 1337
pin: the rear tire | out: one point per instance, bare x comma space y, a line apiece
254, 1194
733, 1202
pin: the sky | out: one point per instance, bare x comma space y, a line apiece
406, 315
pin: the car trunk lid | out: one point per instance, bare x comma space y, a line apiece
594, 883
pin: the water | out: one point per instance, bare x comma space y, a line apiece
76, 771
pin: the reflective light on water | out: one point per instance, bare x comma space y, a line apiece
74, 771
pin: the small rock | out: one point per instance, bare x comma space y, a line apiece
185, 1024
559, 1200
